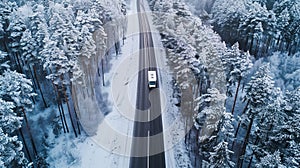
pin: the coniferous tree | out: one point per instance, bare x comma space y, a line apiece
221, 155
270, 160
11, 151
207, 121
237, 64
9, 119
258, 93
14, 87
285, 135
16, 28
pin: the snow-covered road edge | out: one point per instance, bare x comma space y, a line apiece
173, 123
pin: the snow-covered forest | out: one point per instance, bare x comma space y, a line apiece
46, 53
240, 62
236, 67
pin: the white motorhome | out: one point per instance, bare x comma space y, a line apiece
152, 80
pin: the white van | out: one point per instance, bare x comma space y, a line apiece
152, 79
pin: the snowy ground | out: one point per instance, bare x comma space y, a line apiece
111, 146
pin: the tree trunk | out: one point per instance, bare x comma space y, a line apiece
239, 124
63, 114
74, 109
267, 45
245, 42
103, 82
201, 85
236, 95
19, 67
38, 84
185, 135
290, 48
29, 132
251, 45
278, 42
69, 110
257, 48
197, 88
60, 107
77, 121
255, 143
241, 160
98, 71
287, 46
61, 118
25, 145
32, 77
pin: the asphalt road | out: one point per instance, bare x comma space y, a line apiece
147, 145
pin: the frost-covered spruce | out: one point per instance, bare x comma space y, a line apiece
9, 121
221, 154
11, 152
258, 94
271, 160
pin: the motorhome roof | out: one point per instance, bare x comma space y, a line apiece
152, 75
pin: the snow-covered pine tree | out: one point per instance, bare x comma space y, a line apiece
86, 25
32, 43
6, 8
237, 64
258, 93
65, 35
17, 88
14, 87
272, 116
1, 27
15, 91
272, 160
267, 120
283, 18
16, 28
220, 157
64, 67
221, 154
207, 121
4, 62
290, 32
11, 151
9, 119
286, 134
291, 154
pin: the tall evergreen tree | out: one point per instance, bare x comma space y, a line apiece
14, 87
9, 119
286, 135
237, 65
11, 154
221, 154
258, 93
207, 121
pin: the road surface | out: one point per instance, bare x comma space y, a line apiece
147, 144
